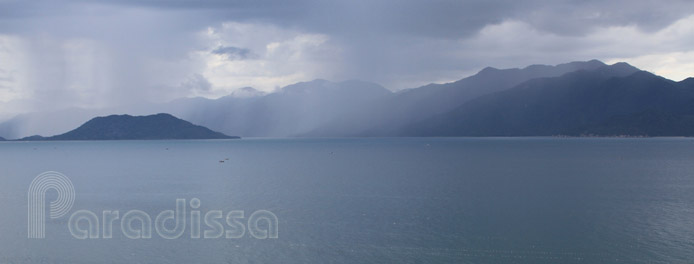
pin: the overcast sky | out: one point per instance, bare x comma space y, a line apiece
112, 52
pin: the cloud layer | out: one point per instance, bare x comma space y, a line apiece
104, 52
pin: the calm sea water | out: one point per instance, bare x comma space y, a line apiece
405, 200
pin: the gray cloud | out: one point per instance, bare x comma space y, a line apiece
234, 53
197, 83
135, 50
440, 18
436, 18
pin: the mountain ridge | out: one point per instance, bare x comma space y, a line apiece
321, 108
127, 127
412, 105
606, 102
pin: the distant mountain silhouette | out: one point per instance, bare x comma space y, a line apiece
577, 98
609, 101
124, 127
390, 114
293, 110
246, 92
47, 123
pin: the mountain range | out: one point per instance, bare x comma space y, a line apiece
617, 100
573, 99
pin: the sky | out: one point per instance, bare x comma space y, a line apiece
104, 53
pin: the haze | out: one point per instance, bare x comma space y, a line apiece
115, 54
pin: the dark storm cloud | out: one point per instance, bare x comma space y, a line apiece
437, 18
440, 18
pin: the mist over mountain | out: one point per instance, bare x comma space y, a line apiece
47, 123
577, 98
246, 92
294, 109
390, 114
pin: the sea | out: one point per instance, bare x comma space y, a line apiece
350, 200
